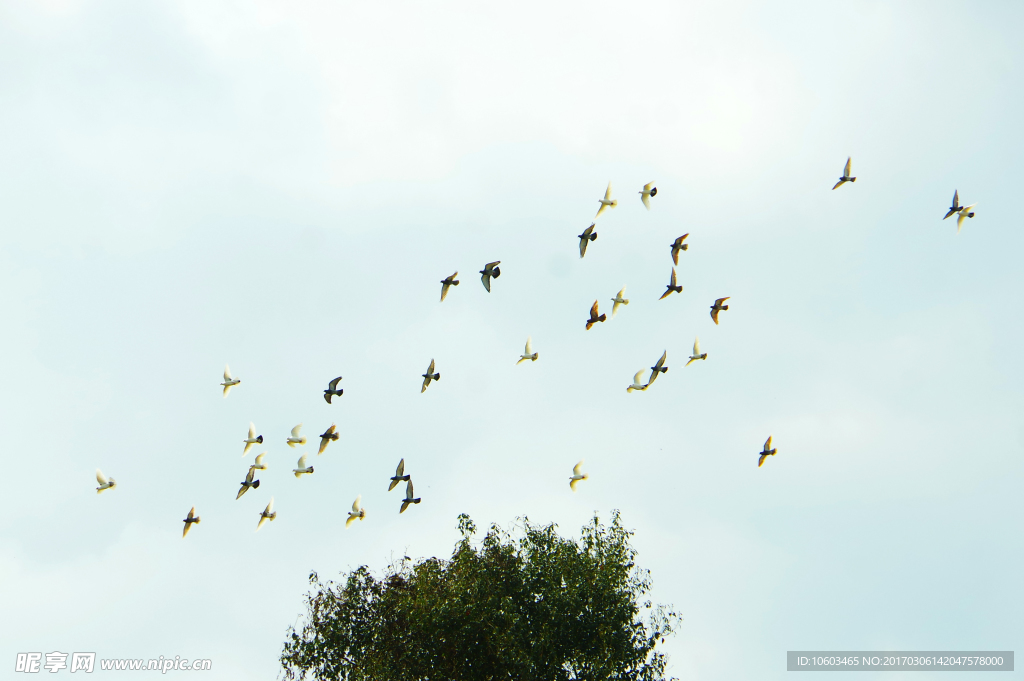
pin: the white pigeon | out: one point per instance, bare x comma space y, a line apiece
638, 382
965, 212
619, 301
295, 438
228, 380
357, 511
259, 465
649, 191
696, 352
268, 514
529, 354
606, 201
577, 475
301, 468
253, 439
105, 483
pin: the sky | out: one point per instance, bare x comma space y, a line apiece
282, 186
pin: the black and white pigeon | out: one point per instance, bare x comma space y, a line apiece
490, 270
448, 282
332, 390
430, 376
588, 235
410, 498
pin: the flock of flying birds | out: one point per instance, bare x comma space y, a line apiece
492, 271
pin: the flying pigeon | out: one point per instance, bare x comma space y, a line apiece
619, 301
588, 235
529, 354
718, 307
955, 207
649, 191
677, 246
357, 511
253, 439
189, 519
766, 452
409, 499
491, 269
430, 376
965, 212
606, 201
295, 438
268, 514
672, 287
594, 317
846, 176
105, 483
658, 368
247, 484
450, 281
638, 383
577, 475
228, 380
259, 465
332, 390
301, 468
327, 437
696, 352
399, 475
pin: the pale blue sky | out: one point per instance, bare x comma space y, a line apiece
282, 186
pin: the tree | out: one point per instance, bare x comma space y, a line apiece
536, 607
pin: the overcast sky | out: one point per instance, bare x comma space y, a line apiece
281, 186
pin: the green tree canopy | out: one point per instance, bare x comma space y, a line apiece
529, 607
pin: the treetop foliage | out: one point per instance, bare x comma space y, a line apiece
534, 606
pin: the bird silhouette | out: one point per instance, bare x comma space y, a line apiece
718, 307
327, 437
658, 369
247, 483
490, 270
267, 514
672, 287
430, 376
410, 498
955, 207
594, 317
677, 246
189, 520
588, 235
766, 452
450, 281
332, 390
399, 475
846, 176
